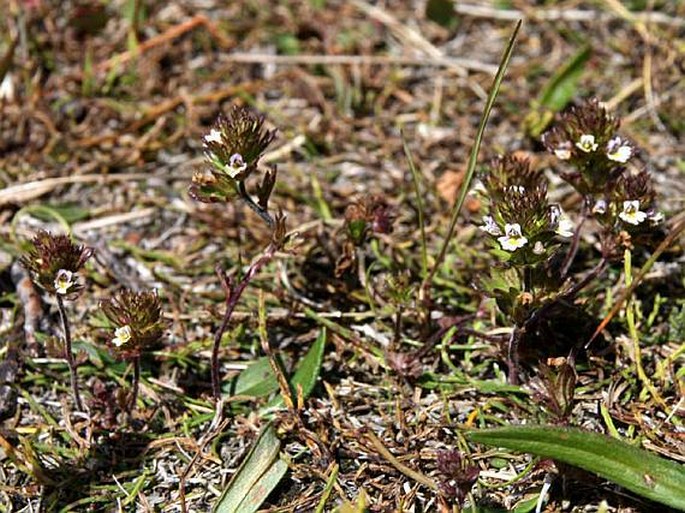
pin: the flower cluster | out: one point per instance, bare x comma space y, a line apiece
138, 320
587, 139
237, 142
54, 262
519, 217
233, 148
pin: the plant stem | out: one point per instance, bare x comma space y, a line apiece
68, 355
575, 244
513, 360
135, 384
231, 301
247, 199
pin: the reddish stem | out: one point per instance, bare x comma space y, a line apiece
136, 383
234, 294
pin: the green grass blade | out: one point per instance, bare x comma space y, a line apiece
473, 158
635, 469
256, 477
330, 482
557, 93
307, 371
561, 88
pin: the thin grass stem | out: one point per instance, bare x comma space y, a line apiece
473, 158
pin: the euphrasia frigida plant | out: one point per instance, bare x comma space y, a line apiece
233, 149
54, 263
527, 232
602, 165
138, 327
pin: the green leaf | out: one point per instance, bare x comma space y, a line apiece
307, 371
526, 505
557, 93
561, 88
287, 44
95, 354
257, 380
357, 229
257, 476
504, 280
71, 212
637, 470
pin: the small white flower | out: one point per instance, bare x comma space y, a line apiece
600, 207
656, 218
7, 92
619, 150
489, 226
236, 165
554, 214
587, 143
213, 136
64, 281
122, 335
538, 248
513, 238
631, 213
479, 187
563, 151
565, 228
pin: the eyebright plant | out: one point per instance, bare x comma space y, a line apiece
233, 149
526, 232
139, 326
604, 169
529, 235
371, 215
457, 477
527, 229
554, 389
54, 263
